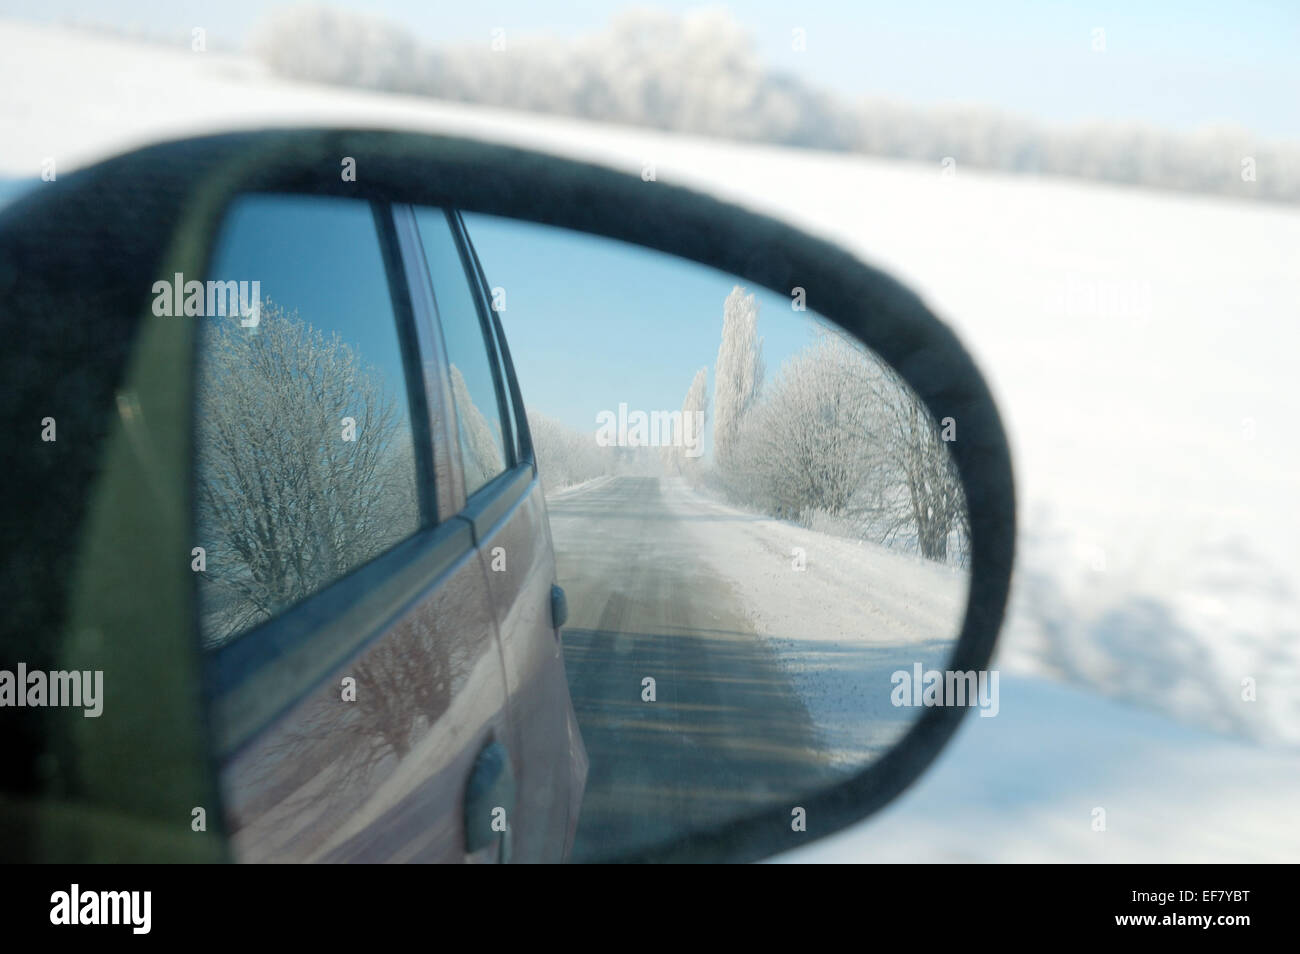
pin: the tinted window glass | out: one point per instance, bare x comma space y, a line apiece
305, 463
478, 412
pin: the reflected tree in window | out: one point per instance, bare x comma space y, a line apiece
288, 496
480, 439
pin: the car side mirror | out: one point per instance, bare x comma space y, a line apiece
869, 431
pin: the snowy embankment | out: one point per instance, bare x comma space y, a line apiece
1142, 348
1063, 775
841, 615
570, 489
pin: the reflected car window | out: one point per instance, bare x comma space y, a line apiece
478, 412
305, 463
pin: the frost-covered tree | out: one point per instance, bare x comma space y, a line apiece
481, 442
840, 435
328, 45
911, 488
700, 72
285, 504
932, 500
566, 456
807, 446
695, 411
737, 375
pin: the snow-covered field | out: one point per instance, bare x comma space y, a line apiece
1027, 785
1142, 347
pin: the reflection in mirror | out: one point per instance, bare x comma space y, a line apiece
760, 531
305, 465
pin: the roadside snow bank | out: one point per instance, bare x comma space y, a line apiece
856, 613
580, 487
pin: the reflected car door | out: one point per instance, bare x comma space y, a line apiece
357, 692
505, 506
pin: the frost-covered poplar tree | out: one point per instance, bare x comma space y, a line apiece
737, 376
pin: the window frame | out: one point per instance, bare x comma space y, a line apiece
487, 506
509, 452
523, 436
483, 305
440, 408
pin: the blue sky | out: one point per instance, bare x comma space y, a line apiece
288, 243
1172, 64
592, 322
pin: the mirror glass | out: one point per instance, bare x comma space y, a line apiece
758, 526
758, 529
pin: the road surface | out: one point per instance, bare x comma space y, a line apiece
727, 732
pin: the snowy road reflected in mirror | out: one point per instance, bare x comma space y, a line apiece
758, 525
